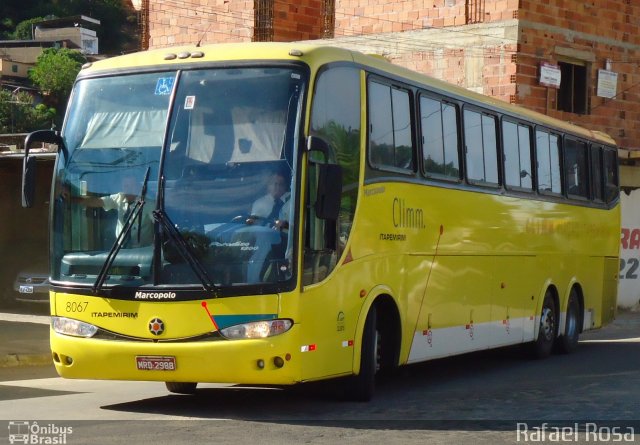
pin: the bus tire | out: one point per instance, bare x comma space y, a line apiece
548, 328
361, 387
181, 387
568, 342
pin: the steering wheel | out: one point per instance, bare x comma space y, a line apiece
254, 220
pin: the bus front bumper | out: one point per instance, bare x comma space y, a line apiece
270, 361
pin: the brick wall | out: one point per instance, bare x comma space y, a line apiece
487, 71
299, 20
591, 32
431, 36
369, 17
477, 57
179, 22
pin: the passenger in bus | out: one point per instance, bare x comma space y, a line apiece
123, 202
274, 207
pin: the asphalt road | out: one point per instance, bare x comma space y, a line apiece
476, 398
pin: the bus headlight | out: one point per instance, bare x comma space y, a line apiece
257, 329
68, 326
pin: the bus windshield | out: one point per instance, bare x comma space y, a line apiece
218, 146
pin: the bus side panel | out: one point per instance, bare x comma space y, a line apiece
332, 311
329, 314
477, 302
456, 312
515, 282
610, 289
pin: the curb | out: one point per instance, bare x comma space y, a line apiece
23, 360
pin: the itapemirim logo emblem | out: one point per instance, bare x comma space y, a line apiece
24, 431
156, 326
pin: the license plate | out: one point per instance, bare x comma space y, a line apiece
26, 289
155, 363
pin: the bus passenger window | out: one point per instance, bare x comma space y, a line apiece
596, 173
611, 184
402, 129
576, 173
548, 160
439, 138
517, 155
390, 126
481, 148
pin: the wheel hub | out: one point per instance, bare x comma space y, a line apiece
547, 324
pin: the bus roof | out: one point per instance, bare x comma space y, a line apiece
315, 55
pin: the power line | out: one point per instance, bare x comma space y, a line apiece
401, 43
617, 94
412, 25
405, 43
227, 13
400, 40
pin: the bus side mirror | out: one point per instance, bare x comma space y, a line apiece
29, 163
329, 191
329, 177
315, 143
28, 181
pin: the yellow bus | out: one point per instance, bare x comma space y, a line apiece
284, 213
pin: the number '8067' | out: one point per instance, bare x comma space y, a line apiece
73, 306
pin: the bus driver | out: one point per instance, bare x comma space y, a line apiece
123, 202
274, 206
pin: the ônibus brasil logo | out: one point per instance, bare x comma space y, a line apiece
31, 432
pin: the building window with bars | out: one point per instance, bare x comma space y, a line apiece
263, 21
328, 19
474, 11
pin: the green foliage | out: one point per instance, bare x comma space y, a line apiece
346, 142
433, 167
55, 72
24, 29
6, 28
19, 115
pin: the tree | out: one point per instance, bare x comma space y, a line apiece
55, 72
19, 115
24, 29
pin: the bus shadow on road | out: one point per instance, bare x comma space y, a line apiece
483, 390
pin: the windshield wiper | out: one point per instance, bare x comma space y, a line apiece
122, 236
183, 248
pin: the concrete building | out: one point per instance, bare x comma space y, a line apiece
18, 56
79, 30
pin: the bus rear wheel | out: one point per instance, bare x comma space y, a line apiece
548, 328
568, 342
181, 387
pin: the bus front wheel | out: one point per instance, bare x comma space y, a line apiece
181, 387
548, 328
360, 388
